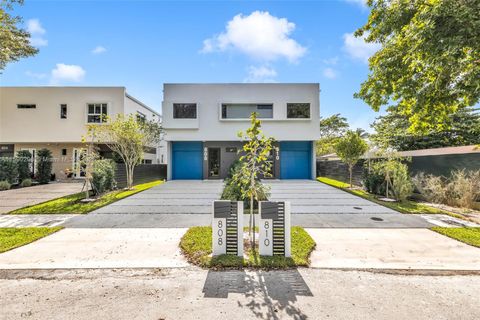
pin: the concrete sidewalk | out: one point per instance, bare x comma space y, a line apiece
418, 249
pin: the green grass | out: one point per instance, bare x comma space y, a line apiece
408, 207
73, 204
469, 236
196, 245
11, 238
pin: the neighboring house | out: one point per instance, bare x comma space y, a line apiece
201, 123
32, 118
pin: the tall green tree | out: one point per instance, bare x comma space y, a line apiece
350, 148
253, 165
428, 66
331, 129
391, 131
14, 41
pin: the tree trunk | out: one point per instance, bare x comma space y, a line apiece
252, 186
350, 170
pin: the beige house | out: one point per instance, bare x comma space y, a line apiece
32, 118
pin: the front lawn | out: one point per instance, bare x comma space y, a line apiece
11, 238
409, 207
469, 236
196, 245
73, 204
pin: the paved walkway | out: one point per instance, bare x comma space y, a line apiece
418, 249
18, 198
34, 220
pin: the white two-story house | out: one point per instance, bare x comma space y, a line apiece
32, 118
201, 123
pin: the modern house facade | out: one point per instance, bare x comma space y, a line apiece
201, 123
56, 118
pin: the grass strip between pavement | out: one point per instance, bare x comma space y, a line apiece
11, 238
467, 235
72, 204
196, 245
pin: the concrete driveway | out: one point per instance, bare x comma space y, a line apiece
18, 198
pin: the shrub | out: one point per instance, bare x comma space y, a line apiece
462, 189
8, 170
44, 166
4, 185
24, 157
401, 182
26, 183
374, 182
103, 175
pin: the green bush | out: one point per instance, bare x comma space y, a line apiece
103, 175
4, 185
44, 166
24, 157
402, 184
374, 182
8, 170
26, 183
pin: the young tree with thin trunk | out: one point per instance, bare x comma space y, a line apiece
127, 136
254, 165
350, 149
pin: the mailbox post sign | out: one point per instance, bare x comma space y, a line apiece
227, 227
274, 228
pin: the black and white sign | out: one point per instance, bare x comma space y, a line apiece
274, 228
227, 227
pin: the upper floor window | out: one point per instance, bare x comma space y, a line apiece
141, 117
298, 110
63, 111
244, 110
185, 111
96, 112
26, 106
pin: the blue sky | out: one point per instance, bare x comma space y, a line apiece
143, 44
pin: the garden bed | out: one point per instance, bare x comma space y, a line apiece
73, 204
196, 246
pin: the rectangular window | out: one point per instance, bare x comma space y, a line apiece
63, 111
244, 110
141, 117
298, 110
96, 112
64, 152
185, 111
26, 106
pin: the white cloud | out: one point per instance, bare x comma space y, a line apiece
331, 61
258, 35
260, 74
329, 73
99, 50
34, 27
36, 75
357, 48
67, 72
362, 3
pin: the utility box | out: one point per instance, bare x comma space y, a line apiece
274, 228
227, 228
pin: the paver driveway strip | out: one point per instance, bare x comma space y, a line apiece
18, 198
178, 197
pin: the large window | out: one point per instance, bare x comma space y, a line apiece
96, 112
184, 110
244, 110
298, 110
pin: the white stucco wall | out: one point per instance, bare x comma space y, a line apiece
209, 127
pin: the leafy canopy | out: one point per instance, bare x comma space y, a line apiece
14, 41
350, 148
391, 131
428, 67
331, 129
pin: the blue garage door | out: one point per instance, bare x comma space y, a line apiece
295, 159
187, 160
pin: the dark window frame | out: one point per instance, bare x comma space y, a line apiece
259, 106
297, 114
63, 111
180, 111
97, 111
26, 106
